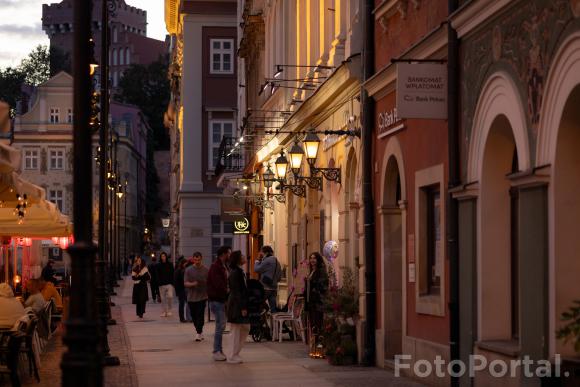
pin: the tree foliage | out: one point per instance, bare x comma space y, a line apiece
36, 66
33, 70
147, 87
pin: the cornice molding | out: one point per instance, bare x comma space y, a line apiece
432, 46
474, 14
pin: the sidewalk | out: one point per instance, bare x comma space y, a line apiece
165, 354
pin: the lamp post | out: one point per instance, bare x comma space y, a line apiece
82, 359
103, 297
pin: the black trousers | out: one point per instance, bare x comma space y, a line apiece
141, 309
154, 291
197, 310
182, 304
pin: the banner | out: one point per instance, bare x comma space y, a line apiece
422, 90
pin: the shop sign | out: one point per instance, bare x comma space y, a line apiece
422, 90
241, 226
389, 122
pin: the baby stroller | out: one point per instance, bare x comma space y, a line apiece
258, 311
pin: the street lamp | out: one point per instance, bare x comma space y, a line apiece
281, 165
311, 143
296, 155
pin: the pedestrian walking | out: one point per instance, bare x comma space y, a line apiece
180, 291
165, 282
217, 294
237, 306
195, 281
154, 282
270, 271
140, 276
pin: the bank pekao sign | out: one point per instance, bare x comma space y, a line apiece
422, 90
241, 226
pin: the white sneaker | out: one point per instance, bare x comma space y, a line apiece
198, 337
163, 314
169, 314
235, 360
218, 356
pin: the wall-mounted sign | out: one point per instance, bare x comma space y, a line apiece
388, 122
241, 226
422, 90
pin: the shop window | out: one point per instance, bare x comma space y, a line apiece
221, 56
430, 241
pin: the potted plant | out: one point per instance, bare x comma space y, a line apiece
570, 332
341, 314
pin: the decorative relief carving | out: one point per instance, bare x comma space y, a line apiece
523, 43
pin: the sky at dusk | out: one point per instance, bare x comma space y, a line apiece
21, 26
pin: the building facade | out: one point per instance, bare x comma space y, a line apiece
44, 134
129, 43
202, 111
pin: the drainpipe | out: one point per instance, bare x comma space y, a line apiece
369, 208
454, 180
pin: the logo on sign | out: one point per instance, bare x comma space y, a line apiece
242, 226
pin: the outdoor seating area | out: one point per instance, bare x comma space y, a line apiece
22, 344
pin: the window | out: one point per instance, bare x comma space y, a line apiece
56, 158
127, 56
121, 56
56, 196
429, 246
218, 130
54, 115
433, 225
114, 56
221, 234
69, 116
31, 159
115, 35
221, 56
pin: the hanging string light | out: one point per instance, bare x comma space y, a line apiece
20, 210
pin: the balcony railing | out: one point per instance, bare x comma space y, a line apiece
231, 158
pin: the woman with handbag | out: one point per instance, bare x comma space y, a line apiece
140, 276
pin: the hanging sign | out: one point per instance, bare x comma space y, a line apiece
241, 226
422, 90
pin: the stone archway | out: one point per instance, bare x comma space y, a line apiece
558, 144
392, 217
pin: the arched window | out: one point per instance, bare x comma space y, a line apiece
121, 56
127, 56
114, 56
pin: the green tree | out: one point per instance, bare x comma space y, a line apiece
11, 80
147, 87
36, 66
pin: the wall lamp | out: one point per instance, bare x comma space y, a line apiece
316, 68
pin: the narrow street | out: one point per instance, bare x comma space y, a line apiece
165, 354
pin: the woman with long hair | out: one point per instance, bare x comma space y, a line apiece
315, 290
237, 306
140, 276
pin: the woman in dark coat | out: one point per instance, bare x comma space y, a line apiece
237, 306
315, 290
140, 276
178, 284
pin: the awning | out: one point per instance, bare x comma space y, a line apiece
41, 218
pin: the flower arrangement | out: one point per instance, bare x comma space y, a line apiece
341, 313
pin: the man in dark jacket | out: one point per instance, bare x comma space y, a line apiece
165, 282
217, 295
270, 271
152, 267
48, 273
